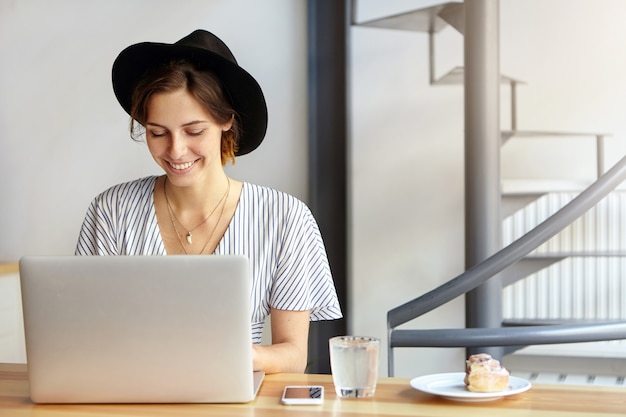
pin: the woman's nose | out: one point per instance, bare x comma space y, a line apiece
178, 148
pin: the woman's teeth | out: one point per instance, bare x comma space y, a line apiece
181, 166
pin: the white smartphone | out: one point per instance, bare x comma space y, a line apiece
303, 395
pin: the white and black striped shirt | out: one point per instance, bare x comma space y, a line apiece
276, 231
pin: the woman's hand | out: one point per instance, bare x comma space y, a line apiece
290, 341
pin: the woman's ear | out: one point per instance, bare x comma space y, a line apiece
226, 126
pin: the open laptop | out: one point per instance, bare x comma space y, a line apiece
138, 329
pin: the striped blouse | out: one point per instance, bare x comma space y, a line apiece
276, 231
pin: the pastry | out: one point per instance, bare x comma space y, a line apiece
485, 374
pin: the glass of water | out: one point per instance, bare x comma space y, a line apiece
354, 365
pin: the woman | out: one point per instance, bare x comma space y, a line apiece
199, 110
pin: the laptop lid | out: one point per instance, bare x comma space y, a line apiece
138, 329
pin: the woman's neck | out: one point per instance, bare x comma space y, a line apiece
198, 198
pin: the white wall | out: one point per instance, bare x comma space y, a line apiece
407, 230
407, 182
64, 137
571, 56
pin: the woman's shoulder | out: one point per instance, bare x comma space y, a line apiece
264, 195
139, 188
274, 208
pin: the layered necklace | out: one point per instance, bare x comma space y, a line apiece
189, 235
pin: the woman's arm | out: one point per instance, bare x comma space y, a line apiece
289, 349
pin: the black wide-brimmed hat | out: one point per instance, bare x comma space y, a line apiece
207, 52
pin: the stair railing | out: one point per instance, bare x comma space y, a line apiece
483, 271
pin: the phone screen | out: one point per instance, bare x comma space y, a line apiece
310, 394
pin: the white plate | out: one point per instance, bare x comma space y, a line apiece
452, 387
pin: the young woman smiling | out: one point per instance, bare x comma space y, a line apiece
199, 110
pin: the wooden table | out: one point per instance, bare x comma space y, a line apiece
394, 397
9, 268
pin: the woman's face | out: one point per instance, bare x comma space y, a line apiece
183, 138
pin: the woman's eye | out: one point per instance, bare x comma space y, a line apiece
157, 133
197, 132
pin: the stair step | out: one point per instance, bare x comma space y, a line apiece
537, 261
576, 363
430, 19
613, 349
456, 76
517, 194
507, 134
530, 187
540, 377
577, 254
512, 203
526, 267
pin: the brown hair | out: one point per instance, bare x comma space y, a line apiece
203, 85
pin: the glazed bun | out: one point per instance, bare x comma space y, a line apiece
485, 374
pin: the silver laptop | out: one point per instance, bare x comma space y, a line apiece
138, 329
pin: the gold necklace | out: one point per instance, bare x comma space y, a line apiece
173, 216
189, 236
219, 219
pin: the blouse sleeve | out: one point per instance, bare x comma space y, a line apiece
303, 280
97, 234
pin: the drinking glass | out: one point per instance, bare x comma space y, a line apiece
354, 365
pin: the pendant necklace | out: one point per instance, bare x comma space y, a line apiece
173, 217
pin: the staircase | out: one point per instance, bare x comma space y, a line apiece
551, 264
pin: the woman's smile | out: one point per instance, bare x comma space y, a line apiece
182, 166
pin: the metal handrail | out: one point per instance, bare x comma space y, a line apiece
511, 336
483, 271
